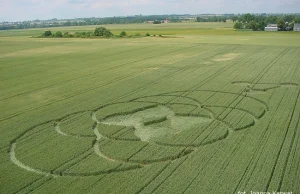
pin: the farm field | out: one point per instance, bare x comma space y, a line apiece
205, 109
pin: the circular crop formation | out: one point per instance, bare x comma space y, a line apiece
132, 134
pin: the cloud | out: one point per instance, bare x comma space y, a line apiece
17, 10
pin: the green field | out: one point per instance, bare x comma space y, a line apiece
205, 109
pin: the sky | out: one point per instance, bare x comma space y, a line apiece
20, 10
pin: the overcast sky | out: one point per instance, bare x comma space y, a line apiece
19, 10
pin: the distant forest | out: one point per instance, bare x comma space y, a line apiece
90, 21
259, 19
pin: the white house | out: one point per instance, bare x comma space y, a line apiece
271, 27
297, 27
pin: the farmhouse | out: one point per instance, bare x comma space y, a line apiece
297, 27
271, 27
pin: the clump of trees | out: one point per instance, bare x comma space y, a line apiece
100, 32
259, 22
212, 18
67, 35
58, 34
47, 33
238, 25
123, 33
83, 34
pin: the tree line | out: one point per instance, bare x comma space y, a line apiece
212, 18
259, 22
87, 21
245, 21
100, 32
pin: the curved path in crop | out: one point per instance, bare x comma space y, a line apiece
176, 94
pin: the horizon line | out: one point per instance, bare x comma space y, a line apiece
241, 13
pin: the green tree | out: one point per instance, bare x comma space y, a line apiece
297, 20
253, 25
259, 18
280, 24
101, 31
147, 34
261, 25
68, 23
123, 33
47, 33
77, 34
58, 34
234, 18
66, 34
89, 34
248, 17
292, 25
288, 18
238, 25
272, 19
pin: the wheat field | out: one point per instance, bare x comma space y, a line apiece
203, 109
